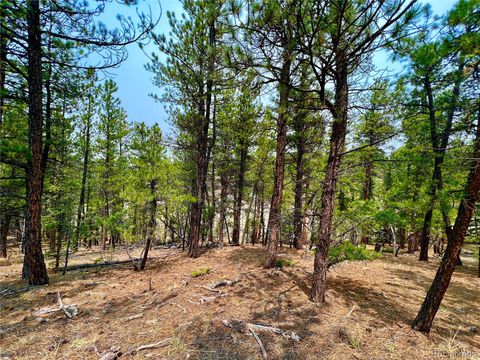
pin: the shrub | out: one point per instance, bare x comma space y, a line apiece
200, 272
348, 251
284, 262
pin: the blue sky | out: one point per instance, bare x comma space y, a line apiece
135, 83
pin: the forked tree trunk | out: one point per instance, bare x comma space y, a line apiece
34, 269
337, 142
274, 220
423, 321
439, 149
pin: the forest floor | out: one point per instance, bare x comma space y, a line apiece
367, 315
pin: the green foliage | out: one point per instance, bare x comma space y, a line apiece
284, 262
348, 251
200, 272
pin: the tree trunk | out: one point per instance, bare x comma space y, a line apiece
439, 148
223, 205
256, 220
34, 269
298, 213
337, 142
86, 158
197, 206
3, 62
274, 221
152, 224
239, 198
4, 226
423, 321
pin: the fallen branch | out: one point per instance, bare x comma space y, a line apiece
70, 311
350, 312
133, 317
7, 292
211, 298
290, 335
259, 327
156, 345
111, 354
224, 282
209, 289
262, 347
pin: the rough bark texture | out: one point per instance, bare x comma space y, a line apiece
34, 269
337, 142
274, 220
423, 321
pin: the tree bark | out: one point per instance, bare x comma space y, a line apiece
423, 321
34, 269
274, 220
337, 142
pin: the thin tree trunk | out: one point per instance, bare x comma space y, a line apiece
223, 206
439, 148
237, 212
86, 159
202, 150
34, 268
4, 226
152, 224
3, 63
274, 220
298, 212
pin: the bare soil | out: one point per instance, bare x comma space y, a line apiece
367, 314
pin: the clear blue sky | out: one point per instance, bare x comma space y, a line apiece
135, 83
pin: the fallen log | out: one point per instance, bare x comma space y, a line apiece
94, 265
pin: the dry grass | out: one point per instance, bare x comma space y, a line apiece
367, 314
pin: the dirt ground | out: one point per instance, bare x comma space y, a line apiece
367, 314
